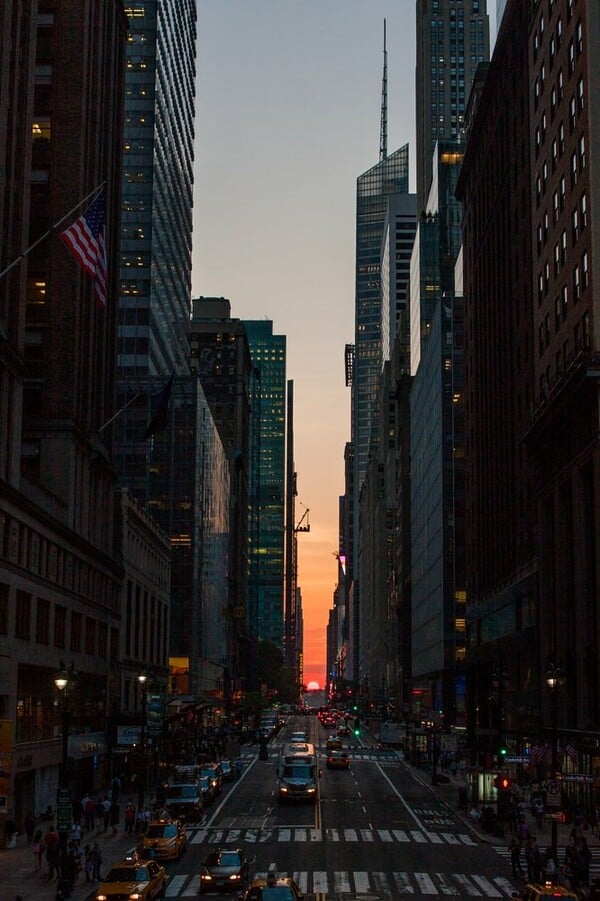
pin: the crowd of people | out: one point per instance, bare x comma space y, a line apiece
541, 865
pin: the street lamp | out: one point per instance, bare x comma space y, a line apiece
555, 677
66, 681
143, 679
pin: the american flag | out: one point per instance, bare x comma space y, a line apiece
85, 239
540, 754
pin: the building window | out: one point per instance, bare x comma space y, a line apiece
582, 152
580, 95
585, 273
564, 297
4, 590
23, 616
60, 626
576, 284
560, 85
573, 168
75, 631
555, 207
90, 635
583, 211
42, 621
561, 139
572, 112
556, 258
575, 225
562, 187
563, 247
103, 640
571, 57
579, 38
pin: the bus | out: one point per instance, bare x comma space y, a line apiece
298, 773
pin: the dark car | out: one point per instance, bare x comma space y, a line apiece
224, 870
208, 792
338, 760
184, 801
227, 771
212, 771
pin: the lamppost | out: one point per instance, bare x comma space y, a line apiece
143, 679
555, 677
66, 681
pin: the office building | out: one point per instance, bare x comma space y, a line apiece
267, 481
156, 221
61, 93
452, 39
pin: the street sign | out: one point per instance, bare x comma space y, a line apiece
64, 810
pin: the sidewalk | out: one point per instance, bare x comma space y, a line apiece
19, 875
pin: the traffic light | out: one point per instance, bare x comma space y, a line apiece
502, 752
357, 726
502, 783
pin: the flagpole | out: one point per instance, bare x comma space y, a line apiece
129, 402
50, 230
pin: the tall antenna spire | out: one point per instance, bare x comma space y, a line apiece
383, 129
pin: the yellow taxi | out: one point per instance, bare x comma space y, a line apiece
273, 886
534, 891
333, 743
133, 879
164, 839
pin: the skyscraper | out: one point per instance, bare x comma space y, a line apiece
267, 482
452, 39
156, 229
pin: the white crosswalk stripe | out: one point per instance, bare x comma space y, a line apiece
266, 834
395, 884
503, 852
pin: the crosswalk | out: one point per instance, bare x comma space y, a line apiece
389, 758
198, 836
382, 884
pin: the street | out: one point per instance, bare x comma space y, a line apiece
377, 830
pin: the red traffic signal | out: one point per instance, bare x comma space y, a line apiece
502, 782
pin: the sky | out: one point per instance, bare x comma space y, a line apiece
288, 116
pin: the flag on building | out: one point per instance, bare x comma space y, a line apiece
86, 240
159, 421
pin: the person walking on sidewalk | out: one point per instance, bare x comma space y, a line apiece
38, 848
52, 842
115, 815
515, 857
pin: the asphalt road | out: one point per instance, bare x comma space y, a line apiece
376, 832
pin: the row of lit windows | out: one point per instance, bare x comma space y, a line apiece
574, 52
580, 280
579, 221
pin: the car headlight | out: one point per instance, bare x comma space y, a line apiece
101, 898
311, 791
235, 876
205, 876
135, 896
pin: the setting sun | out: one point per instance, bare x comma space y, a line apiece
313, 686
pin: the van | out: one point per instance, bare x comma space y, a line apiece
298, 773
183, 801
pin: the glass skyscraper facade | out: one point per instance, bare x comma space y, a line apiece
267, 481
156, 231
453, 37
374, 188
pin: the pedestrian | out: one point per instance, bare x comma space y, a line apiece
238, 767
29, 824
88, 863
99, 816
38, 848
106, 812
515, 856
115, 789
139, 821
76, 832
96, 858
129, 817
115, 816
89, 809
77, 811
52, 843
